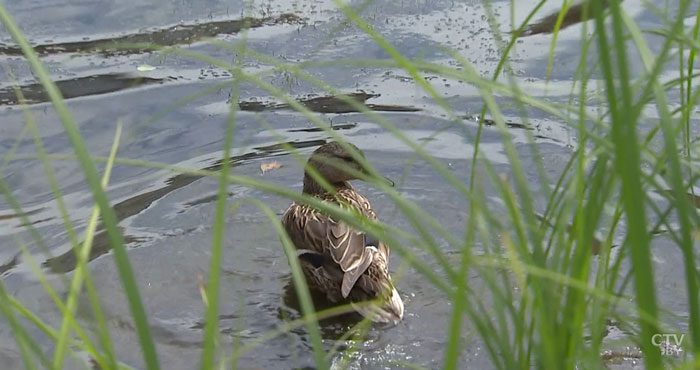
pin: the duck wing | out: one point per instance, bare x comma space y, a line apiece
349, 248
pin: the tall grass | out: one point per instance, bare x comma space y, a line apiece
549, 285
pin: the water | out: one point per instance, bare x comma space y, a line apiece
166, 218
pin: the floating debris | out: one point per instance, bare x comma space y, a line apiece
269, 166
145, 68
203, 290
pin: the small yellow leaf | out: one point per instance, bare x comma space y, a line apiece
696, 234
203, 290
269, 166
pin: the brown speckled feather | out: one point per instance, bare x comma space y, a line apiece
310, 229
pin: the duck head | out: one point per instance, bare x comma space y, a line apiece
336, 164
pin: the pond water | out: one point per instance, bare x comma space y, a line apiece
166, 219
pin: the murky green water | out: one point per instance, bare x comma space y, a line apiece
167, 219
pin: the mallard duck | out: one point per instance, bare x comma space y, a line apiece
344, 263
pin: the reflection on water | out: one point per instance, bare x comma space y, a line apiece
332, 327
181, 34
75, 88
328, 104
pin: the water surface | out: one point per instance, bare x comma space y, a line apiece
166, 218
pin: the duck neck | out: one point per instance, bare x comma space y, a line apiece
312, 187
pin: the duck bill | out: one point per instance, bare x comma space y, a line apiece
388, 181
380, 178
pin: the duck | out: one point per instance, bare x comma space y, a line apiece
345, 264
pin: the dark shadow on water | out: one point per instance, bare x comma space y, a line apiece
339, 126
182, 34
9, 216
514, 125
137, 204
108, 83
4, 268
66, 262
199, 325
327, 104
76, 87
490, 122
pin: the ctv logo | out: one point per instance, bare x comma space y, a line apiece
670, 344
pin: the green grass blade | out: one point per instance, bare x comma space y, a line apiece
116, 241
81, 270
627, 164
300, 286
211, 328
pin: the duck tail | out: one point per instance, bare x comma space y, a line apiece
387, 310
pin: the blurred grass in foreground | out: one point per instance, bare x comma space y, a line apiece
551, 285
